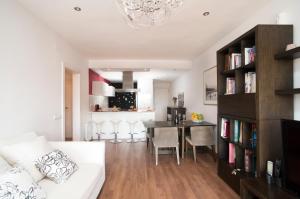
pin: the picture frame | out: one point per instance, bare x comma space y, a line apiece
210, 93
181, 99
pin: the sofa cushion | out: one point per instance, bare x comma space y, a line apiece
79, 186
56, 166
26, 153
4, 166
18, 184
14, 139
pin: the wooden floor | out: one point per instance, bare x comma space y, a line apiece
131, 174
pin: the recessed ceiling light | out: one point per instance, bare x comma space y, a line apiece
205, 14
77, 9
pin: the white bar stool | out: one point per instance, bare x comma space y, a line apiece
100, 132
132, 125
116, 125
90, 130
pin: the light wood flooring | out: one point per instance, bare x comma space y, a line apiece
131, 174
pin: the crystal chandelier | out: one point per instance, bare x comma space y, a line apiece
145, 13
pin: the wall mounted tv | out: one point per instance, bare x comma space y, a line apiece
291, 155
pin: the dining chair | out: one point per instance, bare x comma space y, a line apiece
200, 136
166, 138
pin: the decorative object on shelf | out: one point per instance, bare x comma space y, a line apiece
146, 13
290, 47
210, 86
174, 101
269, 174
197, 117
181, 100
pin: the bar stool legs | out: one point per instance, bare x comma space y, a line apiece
131, 131
99, 129
116, 125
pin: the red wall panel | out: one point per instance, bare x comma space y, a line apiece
93, 76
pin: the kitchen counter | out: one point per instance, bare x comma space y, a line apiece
109, 111
124, 116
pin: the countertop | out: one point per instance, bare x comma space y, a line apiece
109, 111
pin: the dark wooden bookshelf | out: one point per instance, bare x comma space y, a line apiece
289, 54
288, 91
264, 109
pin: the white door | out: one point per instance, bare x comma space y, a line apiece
161, 102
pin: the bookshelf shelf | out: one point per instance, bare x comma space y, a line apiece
243, 68
288, 91
250, 112
290, 54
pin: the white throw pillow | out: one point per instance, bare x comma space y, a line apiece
4, 166
16, 183
56, 166
26, 153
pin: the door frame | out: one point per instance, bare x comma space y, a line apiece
76, 103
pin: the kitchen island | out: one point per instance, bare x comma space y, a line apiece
124, 117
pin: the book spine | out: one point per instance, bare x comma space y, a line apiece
231, 153
248, 160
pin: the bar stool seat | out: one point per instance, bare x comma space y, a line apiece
116, 125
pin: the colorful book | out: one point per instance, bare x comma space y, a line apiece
236, 130
248, 162
241, 132
225, 128
231, 153
230, 85
253, 136
250, 82
250, 54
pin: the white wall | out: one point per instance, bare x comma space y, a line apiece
145, 95
191, 83
31, 57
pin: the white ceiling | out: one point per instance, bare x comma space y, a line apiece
100, 30
158, 74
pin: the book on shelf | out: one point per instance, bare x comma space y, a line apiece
250, 54
246, 132
248, 160
250, 82
235, 60
225, 128
230, 86
253, 136
236, 131
241, 132
231, 159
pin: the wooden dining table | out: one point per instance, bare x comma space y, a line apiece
151, 125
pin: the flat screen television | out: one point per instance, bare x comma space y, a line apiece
291, 155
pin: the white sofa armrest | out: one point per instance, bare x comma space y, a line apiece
83, 152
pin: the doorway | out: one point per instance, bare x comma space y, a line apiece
68, 104
161, 99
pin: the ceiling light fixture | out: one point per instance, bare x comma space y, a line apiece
205, 14
146, 13
78, 9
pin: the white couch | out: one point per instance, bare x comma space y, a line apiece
87, 181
